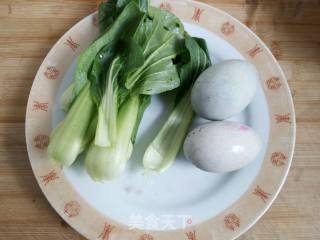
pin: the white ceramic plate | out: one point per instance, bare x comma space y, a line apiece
184, 202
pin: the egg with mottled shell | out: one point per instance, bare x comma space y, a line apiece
224, 89
222, 146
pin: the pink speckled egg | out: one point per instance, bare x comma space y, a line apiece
222, 146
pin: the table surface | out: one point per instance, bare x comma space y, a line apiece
29, 28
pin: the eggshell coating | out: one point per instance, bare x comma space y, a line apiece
222, 146
224, 89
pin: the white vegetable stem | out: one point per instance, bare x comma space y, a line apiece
105, 163
68, 140
107, 113
163, 150
67, 98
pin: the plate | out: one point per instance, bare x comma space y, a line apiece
184, 202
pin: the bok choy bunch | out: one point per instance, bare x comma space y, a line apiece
138, 54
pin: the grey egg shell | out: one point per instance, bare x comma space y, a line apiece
224, 89
222, 146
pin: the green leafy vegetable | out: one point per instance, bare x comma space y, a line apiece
160, 34
159, 74
107, 14
129, 57
70, 138
161, 153
97, 75
110, 10
127, 19
142, 51
163, 150
108, 109
108, 162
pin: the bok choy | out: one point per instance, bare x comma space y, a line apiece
163, 150
71, 136
104, 163
142, 51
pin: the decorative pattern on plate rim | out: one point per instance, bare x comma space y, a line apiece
40, 106
232, 221
284, 118
146, 237
166, 6
227, 28
72, 209
51, 73
41, 141
191, 235
95, 20
254, 51
73, 45
261, 194
197, 14
51, 176
273, 83
105, 234
278, 159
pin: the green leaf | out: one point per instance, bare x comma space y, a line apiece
107, 14
159, 77
160, 35
99, 68
123, 95
203, 45
195, 62
170, 21
132, 55
143, 4
110, 10
129, 17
